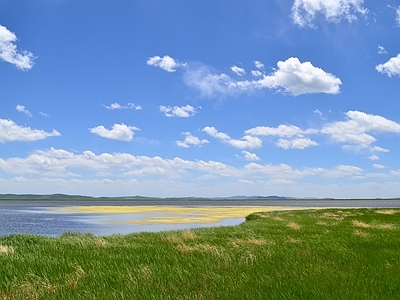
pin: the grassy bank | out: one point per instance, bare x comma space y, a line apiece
306, 254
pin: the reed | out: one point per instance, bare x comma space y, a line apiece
303, 254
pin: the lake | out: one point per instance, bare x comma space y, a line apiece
52, 218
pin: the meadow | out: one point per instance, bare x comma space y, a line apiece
302, 254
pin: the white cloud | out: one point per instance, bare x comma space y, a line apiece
114, 174
305, 11
378, 166
298, 143
11, 132
259, 65
23, 60
209, 84
297, 78
379, 149
291, 76
250, 156
344, 171
247, 142
373, 157
57, 162
22, 109
191, 140
238, 71
176, 111
398, 16
281, 130
116, 105
282, 171
357, 129
288, 131
166, 63
120, 132
381, 50
257, 73
391, 67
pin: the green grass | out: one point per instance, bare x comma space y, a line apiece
310, 254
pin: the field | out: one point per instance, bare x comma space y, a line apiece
302, 254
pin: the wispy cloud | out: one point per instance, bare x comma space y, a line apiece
304, 12
191, 140
12, 132
381, 50
178, 111
23, 60
116, 105
119, 132
23, 110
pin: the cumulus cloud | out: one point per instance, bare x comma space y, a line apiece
298, 143
238, 71
344, 171
291, 77
379, 149
373, 157
176, 111
166, 63
119, 132
11, 132
305, 11
391, 67
297, 78
58, 162
22, 109
246, 142
116, 105
250, 156
378, 166
358, 128
23, 60
281, 130
191, 140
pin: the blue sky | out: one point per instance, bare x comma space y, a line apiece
200, 98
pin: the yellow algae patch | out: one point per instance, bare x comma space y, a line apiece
386, 211
174, 214
6, 250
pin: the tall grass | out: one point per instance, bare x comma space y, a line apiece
310, 254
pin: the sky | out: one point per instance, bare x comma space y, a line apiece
210, 98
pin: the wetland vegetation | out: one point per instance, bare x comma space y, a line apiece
303, 254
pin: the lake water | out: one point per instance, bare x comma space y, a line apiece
42, 218
41, 221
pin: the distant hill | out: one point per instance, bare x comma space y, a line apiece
64, 197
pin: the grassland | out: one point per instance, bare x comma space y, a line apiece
304, 254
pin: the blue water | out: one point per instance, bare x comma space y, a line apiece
32, 220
